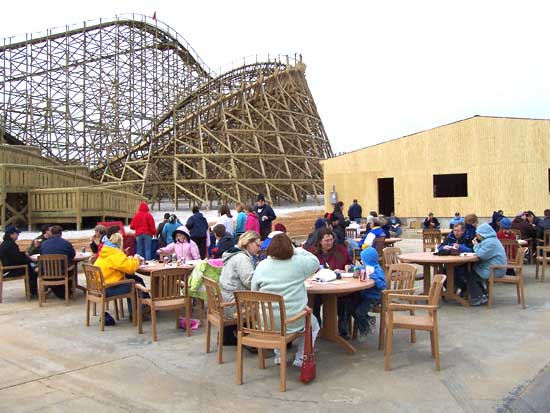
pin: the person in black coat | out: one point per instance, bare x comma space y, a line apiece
58, 245
198, 226
431, 222
224, 240
265, 215
11, 255
355, 212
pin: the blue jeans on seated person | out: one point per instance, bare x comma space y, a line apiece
398, 231
143, 246
357, 306
125, 289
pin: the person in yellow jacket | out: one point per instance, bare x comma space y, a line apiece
116, 266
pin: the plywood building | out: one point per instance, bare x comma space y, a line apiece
475, 165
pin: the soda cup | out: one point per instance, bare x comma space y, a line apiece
83, 250
356, 273
166, 260
363, 275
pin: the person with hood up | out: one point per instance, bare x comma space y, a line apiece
224, 240
283, 272
182, 246
495, 219
144, 226
252, 221
168, 230
117, 266
490, 252
238, 267
360, 303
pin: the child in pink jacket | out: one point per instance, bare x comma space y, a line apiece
183, 246
252, 222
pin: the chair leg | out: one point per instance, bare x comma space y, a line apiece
220, 343
537, 270
117, 318
95, 309
1, 287
134, 308
102, 315
239, 361
282, 385
201, 309
518, 292
177, 315
121, 308
87, 312
154, 323
207, 336
432, 344
522, 292
413, 332
67, 291
75, 280
491, 292
261, 358
40, 292
27, 289
188, 316
389, 334
382, 331
139, 316
436, 348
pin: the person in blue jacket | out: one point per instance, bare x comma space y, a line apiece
490, 252
456, 220
375, 232
169, 228
359, 304
457, 243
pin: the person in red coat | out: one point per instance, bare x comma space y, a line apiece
143, 224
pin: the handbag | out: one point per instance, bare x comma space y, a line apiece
307, 372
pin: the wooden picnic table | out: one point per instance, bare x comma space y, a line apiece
329, 292
429, 260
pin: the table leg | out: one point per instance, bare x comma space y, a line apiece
449, 293
330, 322
427, 278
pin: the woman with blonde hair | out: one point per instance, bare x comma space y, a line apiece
238, 267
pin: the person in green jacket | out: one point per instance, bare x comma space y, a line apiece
283, 272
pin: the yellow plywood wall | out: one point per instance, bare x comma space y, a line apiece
506, 159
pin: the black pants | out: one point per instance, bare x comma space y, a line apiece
264, 232
33, 277
201, 243
476, 285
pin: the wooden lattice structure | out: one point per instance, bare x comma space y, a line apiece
129, 99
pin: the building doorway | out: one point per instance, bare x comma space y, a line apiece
385, 196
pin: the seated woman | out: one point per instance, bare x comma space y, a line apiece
284, 272
238, 267
183, 245
116, 266
375, 232
99, 237
490, 252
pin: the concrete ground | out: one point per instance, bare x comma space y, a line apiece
491, 359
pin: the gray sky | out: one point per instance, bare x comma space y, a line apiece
377, 70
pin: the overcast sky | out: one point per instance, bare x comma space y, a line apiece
377, 70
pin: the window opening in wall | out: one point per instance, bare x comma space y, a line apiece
451, 185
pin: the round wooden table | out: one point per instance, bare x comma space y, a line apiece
428, 260
329, 292
156, 266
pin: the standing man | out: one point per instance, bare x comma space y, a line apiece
265, 215
198, 229
58, 245
355, 212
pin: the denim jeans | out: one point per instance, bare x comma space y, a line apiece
143, 246
125, 289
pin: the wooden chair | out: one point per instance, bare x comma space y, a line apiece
169, 292
543, 255
351, 233
356, 256
415, 322
379, 244
517, 265
95, 293
391, 256
510, 247
215, 314
516, 232
4, 270
53, 269
430, 238
257, 326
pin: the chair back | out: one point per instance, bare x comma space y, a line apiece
257, 313
431, 237
52, 266
351, 233
518, 258
166, 284
95, 283
511, 248
434, 295
516, 232
546, 237
400, 277
213, 295
391, 256
378, 244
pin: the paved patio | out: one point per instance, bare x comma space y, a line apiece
49, 361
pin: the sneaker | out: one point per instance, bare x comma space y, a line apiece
362, 338
372, 321
475, 302
277, 360
109, 321
345, 335
297, 363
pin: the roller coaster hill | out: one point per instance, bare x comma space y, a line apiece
97, 117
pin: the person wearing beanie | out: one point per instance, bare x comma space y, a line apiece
10, 254
490, 252
266, 216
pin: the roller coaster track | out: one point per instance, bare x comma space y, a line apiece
134, 103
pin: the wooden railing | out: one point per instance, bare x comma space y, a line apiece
14, 154
72, 204
21, 178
